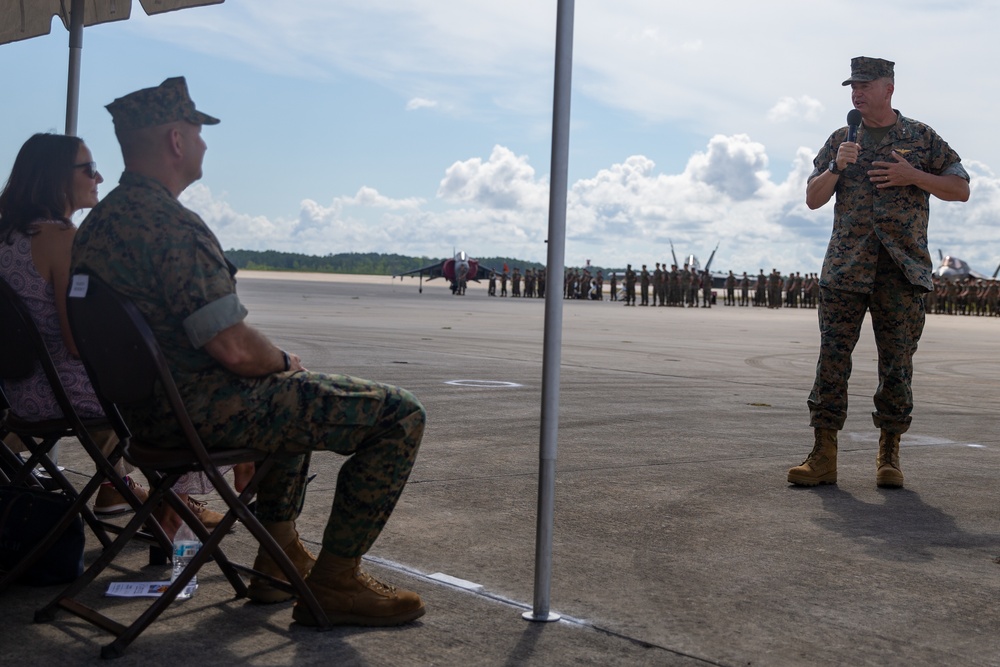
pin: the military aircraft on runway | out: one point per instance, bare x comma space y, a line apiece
457, 270
718, 278
953, 268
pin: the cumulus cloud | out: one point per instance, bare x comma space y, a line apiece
235, 229
734, 166
695, 64
795, 109
370, 197
970, 230
627, 212
503, 181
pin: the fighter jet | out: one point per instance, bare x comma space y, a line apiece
718, 278
457, 270
953, 268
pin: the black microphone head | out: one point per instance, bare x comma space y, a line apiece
854, 118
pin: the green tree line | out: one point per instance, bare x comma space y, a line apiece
365, 263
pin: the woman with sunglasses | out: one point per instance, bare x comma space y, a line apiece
53, 177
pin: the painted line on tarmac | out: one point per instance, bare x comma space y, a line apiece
484, 384
478, 590
914, 440
469, 587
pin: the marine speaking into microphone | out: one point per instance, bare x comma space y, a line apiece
877, 263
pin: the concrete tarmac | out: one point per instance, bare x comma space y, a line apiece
677, 540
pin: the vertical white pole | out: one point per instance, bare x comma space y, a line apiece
75, 57
552, 353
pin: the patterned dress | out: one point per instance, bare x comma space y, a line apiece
32, 398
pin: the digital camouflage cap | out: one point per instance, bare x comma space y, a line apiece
869, 69
165, 103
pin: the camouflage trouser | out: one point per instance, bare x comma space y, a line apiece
897, 310
293, 414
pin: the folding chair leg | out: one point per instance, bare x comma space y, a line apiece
25, 476
210, 549
48, 612
295, 580
210, 540
10, 463
125, 635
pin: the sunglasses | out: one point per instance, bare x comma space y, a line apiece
89, 168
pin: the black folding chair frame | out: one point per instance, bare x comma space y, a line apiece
22, 352
125, 364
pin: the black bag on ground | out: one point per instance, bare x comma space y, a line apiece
26, 517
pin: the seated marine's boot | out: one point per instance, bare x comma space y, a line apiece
284, 533
820, 467
350, 596
888, 474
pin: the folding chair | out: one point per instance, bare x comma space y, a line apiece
126, 365
22, 352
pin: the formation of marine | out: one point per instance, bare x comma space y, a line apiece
687, 287
972, 296
533, 281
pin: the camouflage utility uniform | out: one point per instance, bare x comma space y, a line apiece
164, 258
629, 286
877, 261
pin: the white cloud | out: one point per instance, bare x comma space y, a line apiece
641, 71
735, 166
624, 213
370, 197
235, 229
795, 108
420, 103
503, 181
695, 64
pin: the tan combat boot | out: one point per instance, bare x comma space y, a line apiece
350, 596
820, 467
284, 533
888, 474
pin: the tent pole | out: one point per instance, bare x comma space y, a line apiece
72, 99
552, 353
75, 55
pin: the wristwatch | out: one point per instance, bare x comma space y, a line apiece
832, 167
288, 360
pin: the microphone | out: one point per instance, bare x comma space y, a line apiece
853, 121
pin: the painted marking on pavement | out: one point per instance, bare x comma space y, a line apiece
455, 581
910, 440
486, 384
477, 590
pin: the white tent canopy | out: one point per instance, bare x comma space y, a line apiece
24, 19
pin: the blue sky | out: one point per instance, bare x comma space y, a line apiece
416, 126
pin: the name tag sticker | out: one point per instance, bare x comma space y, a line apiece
78, 288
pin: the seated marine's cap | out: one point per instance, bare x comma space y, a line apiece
869, 69
166, 103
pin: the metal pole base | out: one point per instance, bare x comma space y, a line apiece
549, 618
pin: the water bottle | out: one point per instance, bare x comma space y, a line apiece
186, 545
